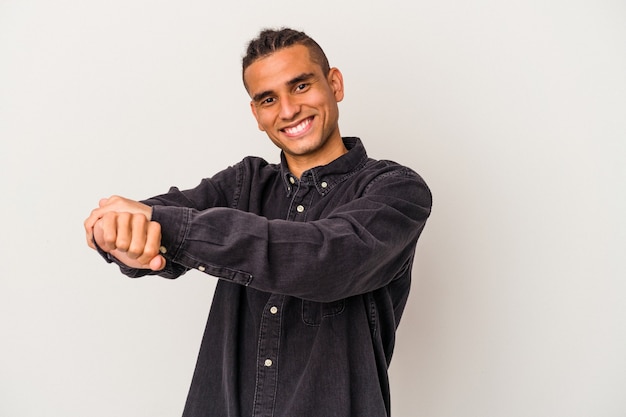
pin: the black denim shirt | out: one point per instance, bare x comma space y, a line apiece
315, 273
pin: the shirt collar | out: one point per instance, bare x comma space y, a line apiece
326, 177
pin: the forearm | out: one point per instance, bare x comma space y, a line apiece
350, 252
208, 193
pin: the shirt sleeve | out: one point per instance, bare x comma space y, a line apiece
211, 192
359, 247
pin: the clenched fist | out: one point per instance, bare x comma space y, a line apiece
122, 227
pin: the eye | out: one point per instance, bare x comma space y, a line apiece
267, 101
302, 86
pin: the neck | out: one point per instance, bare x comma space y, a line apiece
298, 164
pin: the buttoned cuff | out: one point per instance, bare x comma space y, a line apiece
176, 248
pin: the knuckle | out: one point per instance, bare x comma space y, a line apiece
109, 236
109, 215
139, 219
149, 253
122, 243
108, 241
133, 253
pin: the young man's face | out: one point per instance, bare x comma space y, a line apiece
296, 105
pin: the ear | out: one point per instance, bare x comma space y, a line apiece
256, 116
335, 81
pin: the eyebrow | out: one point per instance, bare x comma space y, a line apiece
300, 78
296, 80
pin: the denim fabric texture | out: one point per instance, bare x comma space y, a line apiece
314, 276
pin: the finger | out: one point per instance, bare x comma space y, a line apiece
89, 223
157, 263
121, 204
114, 200
104, 206
98, 234
131, 263
108, 224
152, 242
89, 232
112, 203
139, 225
124, 231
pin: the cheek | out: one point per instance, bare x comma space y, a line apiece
327, 102
263, 119
331, 111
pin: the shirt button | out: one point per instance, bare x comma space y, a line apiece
324, 184
268, 362
274, 310
292, 180
163, 249
300, 208
201, 268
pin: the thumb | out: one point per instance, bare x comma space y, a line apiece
102, 202
157, 263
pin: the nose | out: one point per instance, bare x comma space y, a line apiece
289, 108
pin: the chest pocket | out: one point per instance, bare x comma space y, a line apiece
313, 312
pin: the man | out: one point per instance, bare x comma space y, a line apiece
314, 254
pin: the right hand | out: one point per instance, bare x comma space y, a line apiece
131, 238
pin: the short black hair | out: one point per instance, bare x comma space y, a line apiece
271, 40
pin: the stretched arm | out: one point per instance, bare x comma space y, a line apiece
359, 246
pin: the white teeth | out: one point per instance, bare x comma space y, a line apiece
299, 128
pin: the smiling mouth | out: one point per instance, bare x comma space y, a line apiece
299, 128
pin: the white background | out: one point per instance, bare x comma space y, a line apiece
513, 111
